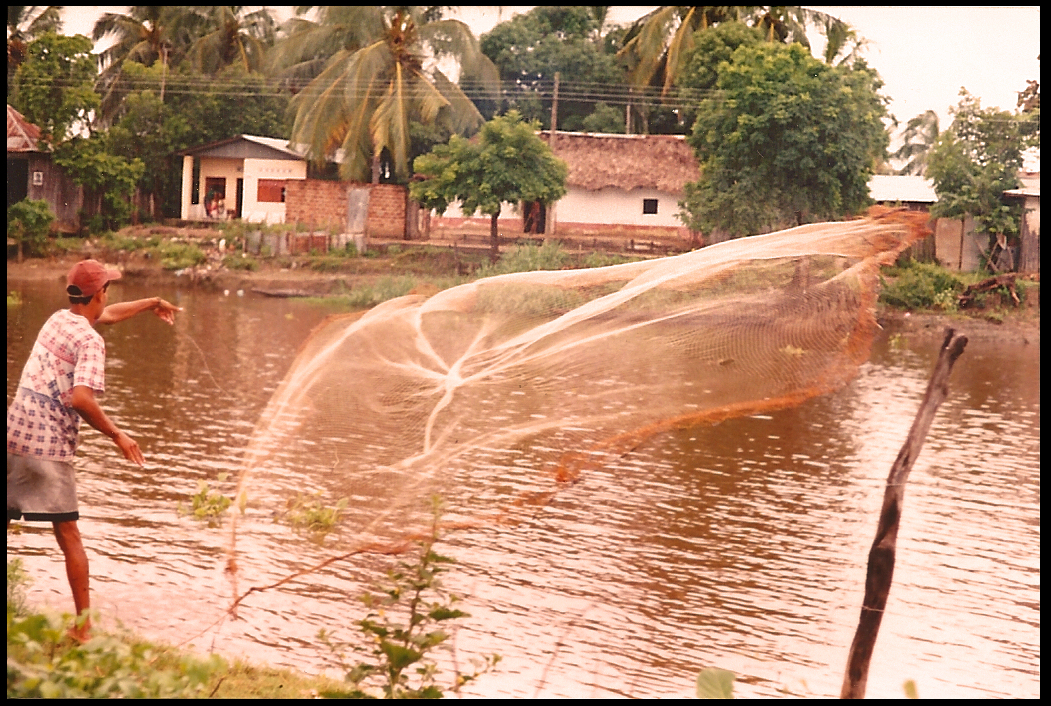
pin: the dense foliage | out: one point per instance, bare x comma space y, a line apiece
976, 160
530, 49
787, 140
54, 85
508, 163
28, 223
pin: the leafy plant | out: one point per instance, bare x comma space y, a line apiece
179, 256
17, 580
206, 504
404, 625
29, 222
241, 262
527, 258
920, 285
309, 513
43, 663
715, 683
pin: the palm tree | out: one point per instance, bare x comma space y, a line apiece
226, 35
657, 45
840, 39
368, 72
24, 24
919, 136
144, 35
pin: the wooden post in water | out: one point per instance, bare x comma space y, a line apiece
881, 556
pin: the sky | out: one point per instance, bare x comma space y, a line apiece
924, 54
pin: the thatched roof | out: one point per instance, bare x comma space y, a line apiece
597, 161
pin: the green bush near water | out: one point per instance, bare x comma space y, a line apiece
29, 225
919, 285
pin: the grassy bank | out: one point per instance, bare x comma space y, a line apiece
44, 662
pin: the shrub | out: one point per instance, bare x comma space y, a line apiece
527, 258
920, 285
42, 663
29, 222
241, 262
179, 256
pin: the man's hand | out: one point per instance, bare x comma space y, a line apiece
84, 402
165, 311
129, 448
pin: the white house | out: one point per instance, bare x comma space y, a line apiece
240, 177
626, 185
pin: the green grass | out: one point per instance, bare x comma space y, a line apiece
42, 662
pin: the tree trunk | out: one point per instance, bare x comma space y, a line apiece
882, 554
494, 238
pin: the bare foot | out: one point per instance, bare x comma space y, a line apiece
80, 632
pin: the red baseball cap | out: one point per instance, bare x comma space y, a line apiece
87, 277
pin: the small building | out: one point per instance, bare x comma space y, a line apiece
623, 183
1028, 194
626, 186
32, 174
244, 176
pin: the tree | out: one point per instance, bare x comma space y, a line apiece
918, 138
108, 179
530, 49
712, 48
227, 35
657, 44
975, 161
197, 109
28, 223
54, 86
507, 163
787, 140
604, 118
374, 82
24, 24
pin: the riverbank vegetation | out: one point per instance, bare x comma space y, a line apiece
392, 655
921, 286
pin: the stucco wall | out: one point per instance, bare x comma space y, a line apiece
612, 206
255, 169
611, 211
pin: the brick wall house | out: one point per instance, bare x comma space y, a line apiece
323, 204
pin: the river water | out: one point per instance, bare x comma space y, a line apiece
741, 546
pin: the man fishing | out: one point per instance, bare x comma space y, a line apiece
58, 388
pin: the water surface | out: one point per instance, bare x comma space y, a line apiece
741, 546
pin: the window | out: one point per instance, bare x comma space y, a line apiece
649, 206
271, 191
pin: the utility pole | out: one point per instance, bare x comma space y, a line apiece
550, 226
554, 115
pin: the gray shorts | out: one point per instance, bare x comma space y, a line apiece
40, 490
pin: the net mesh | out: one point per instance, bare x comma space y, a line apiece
497, 393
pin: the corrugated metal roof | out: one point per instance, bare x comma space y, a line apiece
907, 189
22, 135
246, 146
1024, 191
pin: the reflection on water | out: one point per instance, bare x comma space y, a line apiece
741, 546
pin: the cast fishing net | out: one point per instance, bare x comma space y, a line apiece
495, 394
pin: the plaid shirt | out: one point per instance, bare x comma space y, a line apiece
68, 352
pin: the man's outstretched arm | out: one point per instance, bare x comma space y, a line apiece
114, 313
